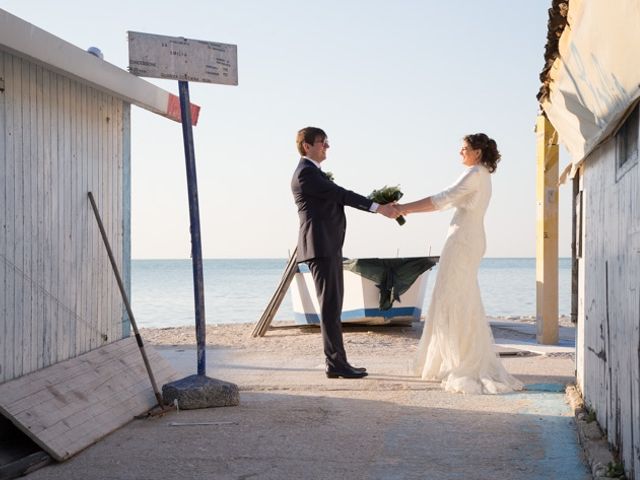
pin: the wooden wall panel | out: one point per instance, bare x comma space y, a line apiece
610, 282
59, 140
70, 405
5, 272
16, 211
125, 198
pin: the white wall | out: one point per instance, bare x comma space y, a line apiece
58, 140
608, 342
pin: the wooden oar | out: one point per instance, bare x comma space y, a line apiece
275, 302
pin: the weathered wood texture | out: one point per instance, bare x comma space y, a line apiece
58, 139
546, 232
71, 405
608, 353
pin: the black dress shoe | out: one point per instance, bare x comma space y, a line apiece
358, 369
346, 372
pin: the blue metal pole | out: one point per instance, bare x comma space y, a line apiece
194, 217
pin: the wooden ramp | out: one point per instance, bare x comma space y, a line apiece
66, 407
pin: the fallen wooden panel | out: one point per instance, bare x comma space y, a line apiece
68, 406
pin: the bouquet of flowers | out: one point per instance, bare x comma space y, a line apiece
388, 195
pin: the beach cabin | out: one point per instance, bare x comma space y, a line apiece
65, 130
589, 99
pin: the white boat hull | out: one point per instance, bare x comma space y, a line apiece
361, 301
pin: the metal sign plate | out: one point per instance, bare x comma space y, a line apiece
179, 58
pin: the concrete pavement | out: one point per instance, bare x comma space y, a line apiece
293, 423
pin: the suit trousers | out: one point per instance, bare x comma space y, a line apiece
329, 281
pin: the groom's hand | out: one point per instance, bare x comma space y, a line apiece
389, 210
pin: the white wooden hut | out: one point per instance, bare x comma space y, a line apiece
590, 95
64, 131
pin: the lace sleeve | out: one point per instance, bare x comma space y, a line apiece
459, 192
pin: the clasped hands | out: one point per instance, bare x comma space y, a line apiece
391, 210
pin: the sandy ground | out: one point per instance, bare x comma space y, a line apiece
294, 423
305, 339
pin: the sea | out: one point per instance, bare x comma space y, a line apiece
238, 290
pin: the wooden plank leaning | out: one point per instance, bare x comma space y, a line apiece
272, 308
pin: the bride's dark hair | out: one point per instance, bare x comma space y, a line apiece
490, 154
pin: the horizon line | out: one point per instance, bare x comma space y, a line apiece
286, 258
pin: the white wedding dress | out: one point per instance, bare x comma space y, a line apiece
457, 345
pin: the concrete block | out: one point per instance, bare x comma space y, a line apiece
592, 431
199, 391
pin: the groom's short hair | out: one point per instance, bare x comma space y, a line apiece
309, 135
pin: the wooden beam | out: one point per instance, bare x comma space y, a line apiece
546, 232
28, 41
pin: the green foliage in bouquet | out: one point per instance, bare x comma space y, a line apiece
388, 195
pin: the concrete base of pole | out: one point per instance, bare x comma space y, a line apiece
199, 391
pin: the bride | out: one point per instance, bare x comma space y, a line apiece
457, 345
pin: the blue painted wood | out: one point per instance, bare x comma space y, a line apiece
126, 213
194, 217
545, 387
314, 318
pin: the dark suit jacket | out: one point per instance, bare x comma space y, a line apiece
321, 210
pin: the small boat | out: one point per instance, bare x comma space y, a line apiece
377, 291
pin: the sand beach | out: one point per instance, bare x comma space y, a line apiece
305, 339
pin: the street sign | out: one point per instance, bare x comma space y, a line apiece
186, 60
183, 59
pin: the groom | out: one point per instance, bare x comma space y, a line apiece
323, 225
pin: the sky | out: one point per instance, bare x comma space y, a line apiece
396, 85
